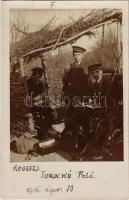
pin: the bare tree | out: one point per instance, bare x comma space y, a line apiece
18, 28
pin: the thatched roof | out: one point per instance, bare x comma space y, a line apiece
47, 40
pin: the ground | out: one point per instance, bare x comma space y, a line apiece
113, 154
58, 156
15, 157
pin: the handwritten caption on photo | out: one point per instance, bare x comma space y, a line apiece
45, 175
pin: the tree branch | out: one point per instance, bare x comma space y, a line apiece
19, 30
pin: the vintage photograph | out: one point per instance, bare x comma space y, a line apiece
66, 85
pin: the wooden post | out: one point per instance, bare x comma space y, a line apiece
44, 73
22, 67
29, 113
119, 40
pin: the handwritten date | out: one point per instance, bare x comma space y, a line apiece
50, 190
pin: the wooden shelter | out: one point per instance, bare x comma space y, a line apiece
35, 45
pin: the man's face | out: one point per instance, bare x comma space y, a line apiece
96, 74
78, 57
36, 77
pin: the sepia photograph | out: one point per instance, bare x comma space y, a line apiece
66, 85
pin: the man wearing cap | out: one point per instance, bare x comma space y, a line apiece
35, 85
40, 111
74, 88
101, 86
102, 94
75, 80
96, 82
97, 89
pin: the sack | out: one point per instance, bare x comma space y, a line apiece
25, 143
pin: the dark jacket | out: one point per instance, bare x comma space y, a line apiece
108, 88
35, 89
75, 82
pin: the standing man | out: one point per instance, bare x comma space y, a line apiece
74, 88
74, 82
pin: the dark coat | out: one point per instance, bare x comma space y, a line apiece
36, 89
109, 88
75, 82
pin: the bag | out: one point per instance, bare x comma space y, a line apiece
25, 143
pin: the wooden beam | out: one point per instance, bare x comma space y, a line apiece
69, 40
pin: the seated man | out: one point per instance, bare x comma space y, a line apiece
102, 95
35, 84
41, 111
